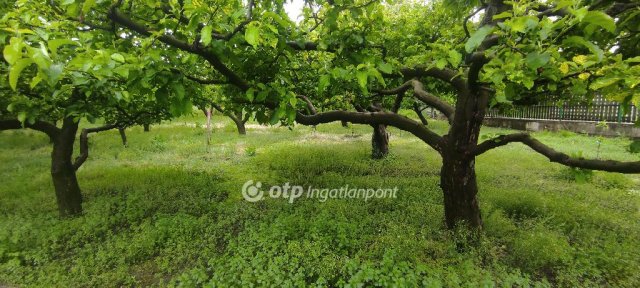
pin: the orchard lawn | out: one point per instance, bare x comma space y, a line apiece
167, 210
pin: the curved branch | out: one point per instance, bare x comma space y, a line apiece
466, 20
558, 157
84, 143
375, 118
445, 74
48, 128
424, 96
310, 107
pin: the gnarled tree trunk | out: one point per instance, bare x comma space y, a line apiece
379, 142
63, 172
459, 186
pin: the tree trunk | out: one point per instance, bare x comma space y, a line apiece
207, 113
379, 142
344, 124
458, 174
147, 127
239, 120
241, 128
123, 136
458, 183
63, 173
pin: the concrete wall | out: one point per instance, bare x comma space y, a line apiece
584, 127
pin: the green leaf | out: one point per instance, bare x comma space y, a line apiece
536, 60
117, 57
22, 116
54, 73
603, 82
441, 63
601, 19
524, 23
375, 73
477, 37
16, 69
55, 43
262, 95
40, 57
250, 94
277, 115
35, 81
454, 58
362, 79
88, 4
579, 41
12, 53
122, 70
386, 68
252, 35
323, 82
205, 35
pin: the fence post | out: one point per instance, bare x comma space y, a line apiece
619, 113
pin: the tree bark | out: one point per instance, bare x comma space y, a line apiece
207, 113
242, 130
63, 172
147, 127
418, 111
379, 142
123, 136
459, 186
239, 120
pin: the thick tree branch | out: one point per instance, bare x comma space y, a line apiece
84, 143
445, 74
306, 46
424, 96
375, 118
48, 128
558, 157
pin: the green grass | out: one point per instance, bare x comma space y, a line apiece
168, 210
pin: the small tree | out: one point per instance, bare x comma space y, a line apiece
59, 75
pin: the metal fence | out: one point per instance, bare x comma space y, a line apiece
599, 110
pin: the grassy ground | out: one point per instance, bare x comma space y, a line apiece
168, 210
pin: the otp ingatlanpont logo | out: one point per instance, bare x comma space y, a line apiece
252, 193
